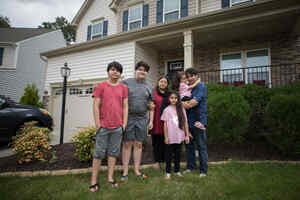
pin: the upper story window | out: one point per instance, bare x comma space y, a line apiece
229, 3
234, 2
135, 17
1, 55
171, 10
97, 30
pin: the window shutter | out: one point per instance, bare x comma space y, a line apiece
184, 8
105, 27
1, 55
159, 11
125, 21
225, 3
89, 32
145, 15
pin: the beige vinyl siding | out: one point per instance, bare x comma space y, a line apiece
92, 64
151, 57
98, 10
209, 5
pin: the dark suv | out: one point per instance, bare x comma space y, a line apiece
13, 116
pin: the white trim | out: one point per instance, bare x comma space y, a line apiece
179, 10
240, 2
141, 19
92, 26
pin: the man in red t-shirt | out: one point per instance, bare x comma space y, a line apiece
111, 116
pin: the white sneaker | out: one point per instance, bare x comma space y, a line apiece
167, 176
179, 174
187, 171
202, 175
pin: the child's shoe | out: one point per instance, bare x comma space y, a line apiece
179, 174
167, 176
199, 125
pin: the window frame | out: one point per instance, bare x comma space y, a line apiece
99, 35
136, 20
240, 2
165, 13
244, 62
2, 57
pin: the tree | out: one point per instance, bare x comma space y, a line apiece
4, 22
62, 23
31, 96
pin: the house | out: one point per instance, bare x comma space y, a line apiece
171, 35
20, 60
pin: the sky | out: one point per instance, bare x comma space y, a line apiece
32, 13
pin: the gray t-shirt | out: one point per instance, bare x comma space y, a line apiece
139, 94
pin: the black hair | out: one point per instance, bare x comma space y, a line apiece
191, 71
142, 64
116, 65
161, 77
176, 80
179, 110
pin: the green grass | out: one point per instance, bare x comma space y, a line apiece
238, 181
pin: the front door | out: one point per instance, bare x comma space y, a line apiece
175, 66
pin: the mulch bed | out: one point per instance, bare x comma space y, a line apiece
66, 159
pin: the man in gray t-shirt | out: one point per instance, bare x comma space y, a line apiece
140, 98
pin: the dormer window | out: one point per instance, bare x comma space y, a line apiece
171, 10
135, 17
97, 30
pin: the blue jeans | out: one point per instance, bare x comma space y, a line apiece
199, 139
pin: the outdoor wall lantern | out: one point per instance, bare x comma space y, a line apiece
65, 73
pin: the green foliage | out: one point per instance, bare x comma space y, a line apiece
282, 120
258, 98
31, 143
4, 22
84, 143
62, 23
219, 88
228, 117
31, 96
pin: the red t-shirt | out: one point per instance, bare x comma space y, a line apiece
157, 122
111, 106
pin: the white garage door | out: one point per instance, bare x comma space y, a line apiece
78, 110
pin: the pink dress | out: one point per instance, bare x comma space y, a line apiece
175, 134
184, 90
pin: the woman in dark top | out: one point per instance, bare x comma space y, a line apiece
160, 94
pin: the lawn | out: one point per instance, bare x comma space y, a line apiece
238, 181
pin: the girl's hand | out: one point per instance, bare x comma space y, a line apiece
187, 139
190, 135
166, 140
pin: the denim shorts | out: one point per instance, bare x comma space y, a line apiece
108, 141
136, 130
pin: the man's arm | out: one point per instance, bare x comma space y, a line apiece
194, 84
125, 113
190, 104
96, 105
151, 114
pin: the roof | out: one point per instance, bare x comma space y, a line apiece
11, 35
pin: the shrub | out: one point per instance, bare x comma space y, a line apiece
228, 117
258, 98
31, 96
218, 88
31, 143
84, 143
282, 119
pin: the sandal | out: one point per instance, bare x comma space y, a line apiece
142, 176
114, 184
94, 188
124, 177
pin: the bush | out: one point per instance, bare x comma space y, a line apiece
84, 142
257, 97
211, 88
228, 117
31, 96
282, 119
31, 143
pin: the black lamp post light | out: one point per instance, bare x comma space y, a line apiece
65, 73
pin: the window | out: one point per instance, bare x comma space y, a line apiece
246, 66
234, 2
171, 10
135, 17
97, 30
1, 55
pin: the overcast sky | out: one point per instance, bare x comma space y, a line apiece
31, 13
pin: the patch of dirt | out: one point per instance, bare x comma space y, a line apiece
66, 159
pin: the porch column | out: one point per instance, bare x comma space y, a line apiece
188, 49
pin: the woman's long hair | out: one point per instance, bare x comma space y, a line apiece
176, 80
179, 110
157, 88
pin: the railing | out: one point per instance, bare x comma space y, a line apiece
268, 76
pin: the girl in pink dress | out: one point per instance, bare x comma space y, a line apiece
175, 131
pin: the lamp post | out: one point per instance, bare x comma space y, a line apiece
65, 73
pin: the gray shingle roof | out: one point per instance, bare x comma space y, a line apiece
19, 34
